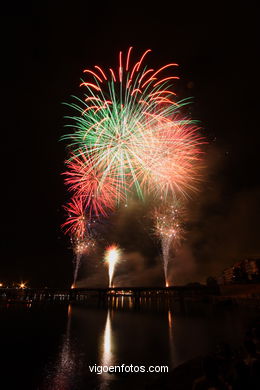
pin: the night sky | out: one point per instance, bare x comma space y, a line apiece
45, 48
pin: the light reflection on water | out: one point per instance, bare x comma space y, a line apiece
107, 355
120, 331
61, 377
171, 339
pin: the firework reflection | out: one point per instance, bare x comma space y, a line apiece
65, 367
107, 357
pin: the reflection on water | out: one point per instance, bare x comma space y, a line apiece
172, 357
62, 375
107, 357
144, 333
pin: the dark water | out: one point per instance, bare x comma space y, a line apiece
50, 346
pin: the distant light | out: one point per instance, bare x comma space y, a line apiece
22, 285
1, 284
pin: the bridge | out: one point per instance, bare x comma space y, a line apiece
84, 293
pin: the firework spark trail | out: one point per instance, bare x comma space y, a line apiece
81, 247
112, 256
76, 269
168, 227
76, 226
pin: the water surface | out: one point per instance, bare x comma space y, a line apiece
51, 346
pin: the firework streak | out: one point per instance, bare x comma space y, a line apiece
81, 246
169, 228
112, 256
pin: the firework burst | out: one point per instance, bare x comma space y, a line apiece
99, 191
81, 246
76, 220
173, 159
130, 129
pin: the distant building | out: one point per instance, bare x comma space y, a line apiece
244, 271
252, 267
228, 275
239, 273
221, 279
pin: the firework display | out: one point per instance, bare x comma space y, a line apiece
128, 138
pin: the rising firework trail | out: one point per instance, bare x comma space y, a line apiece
169, 229
112, 256
76, 227
81, 246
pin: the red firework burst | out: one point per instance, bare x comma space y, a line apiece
76, 221
100, 192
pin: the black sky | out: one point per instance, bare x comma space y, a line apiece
45, 45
